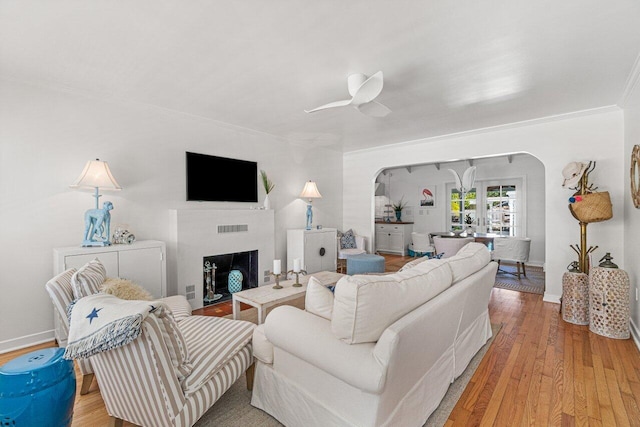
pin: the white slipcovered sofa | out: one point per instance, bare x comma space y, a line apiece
383, 352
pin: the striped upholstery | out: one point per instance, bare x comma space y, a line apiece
212, 341
200, 401
176, 344
179, 306
61, 293
87, 280
138, 381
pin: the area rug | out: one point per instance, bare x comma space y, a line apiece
506, 278
234, 408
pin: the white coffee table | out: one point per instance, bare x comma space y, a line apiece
264, 297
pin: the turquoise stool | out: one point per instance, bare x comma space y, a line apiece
37, 389
235, 281
365, 263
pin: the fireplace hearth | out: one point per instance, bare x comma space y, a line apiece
216, 270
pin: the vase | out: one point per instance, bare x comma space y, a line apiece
235, 281
398, 215
267, 203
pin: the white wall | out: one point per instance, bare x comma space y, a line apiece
631, 214
409, 184
46, 136
597, 136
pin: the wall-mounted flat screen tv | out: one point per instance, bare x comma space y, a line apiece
220, 179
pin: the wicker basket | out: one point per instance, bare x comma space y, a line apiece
594, 207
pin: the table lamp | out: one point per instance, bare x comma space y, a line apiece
96, 174
310, 191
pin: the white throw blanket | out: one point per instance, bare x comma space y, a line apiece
102, 322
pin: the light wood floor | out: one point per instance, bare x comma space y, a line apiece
539, 370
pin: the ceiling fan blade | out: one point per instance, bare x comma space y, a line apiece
331, 105
373, 109
368, 91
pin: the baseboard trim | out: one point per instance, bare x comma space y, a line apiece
26, 341
635, 334
551, 298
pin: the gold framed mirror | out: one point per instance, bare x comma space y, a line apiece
635, 176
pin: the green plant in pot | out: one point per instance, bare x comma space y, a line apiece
397, 207
268, 187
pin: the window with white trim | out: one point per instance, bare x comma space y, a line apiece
492, 206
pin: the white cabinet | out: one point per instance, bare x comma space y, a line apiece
393, 238
143, 262
317, 249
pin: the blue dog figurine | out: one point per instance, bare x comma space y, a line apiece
97, 226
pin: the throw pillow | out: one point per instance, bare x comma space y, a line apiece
87, 280
319, 299
367, 305
125, 289
413, 263
179, 306
348, 240
176, 344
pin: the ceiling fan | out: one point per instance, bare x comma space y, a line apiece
363, 91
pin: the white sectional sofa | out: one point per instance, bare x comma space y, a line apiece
385, 351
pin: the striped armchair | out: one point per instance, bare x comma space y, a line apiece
141, 383
61, 293
174, 371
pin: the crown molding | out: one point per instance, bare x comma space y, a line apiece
496, 128
632, 82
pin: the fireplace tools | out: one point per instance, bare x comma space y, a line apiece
209, 278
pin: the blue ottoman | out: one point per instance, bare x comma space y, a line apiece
365, 263
37, 389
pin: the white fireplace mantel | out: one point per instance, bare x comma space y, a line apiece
197, 233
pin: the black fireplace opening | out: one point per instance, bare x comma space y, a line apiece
215, 274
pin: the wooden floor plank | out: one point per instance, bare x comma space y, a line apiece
555, 411
635, 387
618, 366
567, 396
544, 402
523, 383
579, 387
606, 410
619, 410
593, 405
496, 398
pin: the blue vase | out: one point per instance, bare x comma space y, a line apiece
398, 215
235, 281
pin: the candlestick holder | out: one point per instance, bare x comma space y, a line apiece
277, 276
297, 284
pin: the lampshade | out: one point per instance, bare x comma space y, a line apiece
96, 174
310, 191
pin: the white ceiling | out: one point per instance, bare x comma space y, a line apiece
448, 66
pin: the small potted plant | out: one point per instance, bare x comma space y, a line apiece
468, 219
268, 187
397, 207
